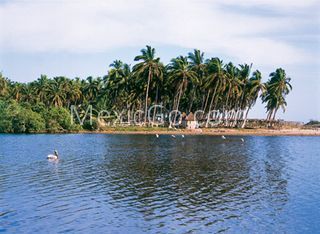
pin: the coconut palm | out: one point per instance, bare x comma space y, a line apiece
233, 86
148, 67
4, 85
92, 89
215, 80
197, 64
41, 87
277, 88
253, 88
180, 76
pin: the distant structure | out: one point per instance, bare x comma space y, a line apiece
191, 123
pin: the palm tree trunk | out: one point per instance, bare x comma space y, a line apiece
154, 109
205, 105
203, 101
269, 117
207, 124
128, 112
178, 102
274, 115
228, 95
213, 101
147, 93
179, 97
245, 117
192, 98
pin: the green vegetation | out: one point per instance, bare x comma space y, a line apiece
313, 123
187, 83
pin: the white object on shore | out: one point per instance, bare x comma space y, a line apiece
223, 137
182, 136
157, 135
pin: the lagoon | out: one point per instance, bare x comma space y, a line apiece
143, 184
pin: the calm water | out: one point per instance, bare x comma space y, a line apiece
141, 184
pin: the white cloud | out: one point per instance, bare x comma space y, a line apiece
91, 26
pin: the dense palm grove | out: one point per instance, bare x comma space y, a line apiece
187, 83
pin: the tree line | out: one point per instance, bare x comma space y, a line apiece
187, 83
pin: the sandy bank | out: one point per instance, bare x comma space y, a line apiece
218, 131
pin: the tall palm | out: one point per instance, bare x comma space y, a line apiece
253, 88
244, 76
197, 64
180, 75
148, 67
92, 89
17, 91
56, 94
233, 89
74, 95
41, 88
215, 79
278, 87
4, 85
114, 81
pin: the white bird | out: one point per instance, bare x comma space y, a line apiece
182, 136
242, 139
223, 137
157, 135
173, 136
54, 156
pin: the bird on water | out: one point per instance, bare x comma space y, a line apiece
54, 156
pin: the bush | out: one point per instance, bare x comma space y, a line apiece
15, 118
59, 119
91, 127
24, 118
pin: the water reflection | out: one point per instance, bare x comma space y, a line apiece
144, 184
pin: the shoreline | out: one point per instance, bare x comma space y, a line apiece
211, 132
198, 132
219, 132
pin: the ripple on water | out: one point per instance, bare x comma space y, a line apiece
140, 184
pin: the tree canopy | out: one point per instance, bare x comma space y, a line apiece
187, 83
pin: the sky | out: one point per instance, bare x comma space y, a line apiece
81, 38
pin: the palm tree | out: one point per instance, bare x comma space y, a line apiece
41, 88
17, 91
278, 87
244, 75
115, 80
215, 79
4, 85
233, 85
92, 89
149, 67
57, 91
74, 95
253, 88
197, 64
180, 75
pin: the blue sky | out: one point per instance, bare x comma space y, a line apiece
81, 38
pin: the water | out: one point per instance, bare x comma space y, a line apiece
141, 184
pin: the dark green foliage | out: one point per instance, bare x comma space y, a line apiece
18, 119
91, 126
